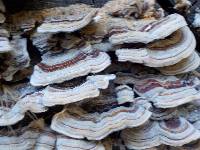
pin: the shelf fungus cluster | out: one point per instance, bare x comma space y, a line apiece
122, 76
37, 135
174, 132
165, 43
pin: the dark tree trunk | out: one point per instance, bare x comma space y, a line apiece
17, 5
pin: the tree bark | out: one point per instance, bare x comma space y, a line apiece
17, 5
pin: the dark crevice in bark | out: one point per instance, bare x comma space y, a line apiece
167, 5
14, 6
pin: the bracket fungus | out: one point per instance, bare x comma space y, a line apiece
16, 100
168, 91
160, 53
69, 19
124, 94
174, 132
60, 95
77, 123
21, 138
143, 31
56, 68
188, 64
80, 77
37, 135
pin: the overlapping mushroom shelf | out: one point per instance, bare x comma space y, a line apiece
155, 44
65, 95
16, 100
68, 20
144, 31
38, 136
164, 52
123, 76
77, 123
56, 68
58, 19
185, 65
37, 100
176, 132
168, 91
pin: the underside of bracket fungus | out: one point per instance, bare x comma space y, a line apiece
186, 65
79, 77
64, 142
